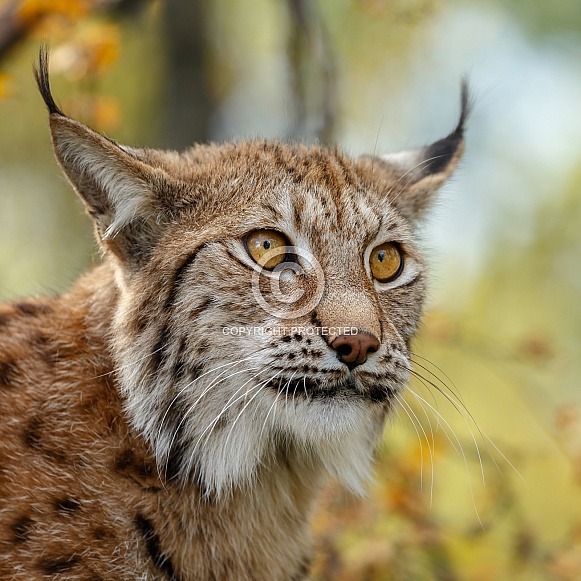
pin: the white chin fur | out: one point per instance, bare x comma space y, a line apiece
340, 434
337, 436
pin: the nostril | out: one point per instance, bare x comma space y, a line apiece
344, 350
353, 349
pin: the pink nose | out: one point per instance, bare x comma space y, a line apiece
353, 349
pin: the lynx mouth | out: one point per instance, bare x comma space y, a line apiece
308, 388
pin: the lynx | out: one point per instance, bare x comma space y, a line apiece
173, 416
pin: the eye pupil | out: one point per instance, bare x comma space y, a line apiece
381, 255
266, 244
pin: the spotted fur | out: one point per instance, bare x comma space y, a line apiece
138, 440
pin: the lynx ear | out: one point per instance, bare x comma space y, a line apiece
412, 177
116, 188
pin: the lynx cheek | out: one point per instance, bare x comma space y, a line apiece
260, 244
386, 262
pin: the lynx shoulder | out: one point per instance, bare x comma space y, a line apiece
245, 337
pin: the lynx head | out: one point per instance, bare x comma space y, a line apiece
268, 294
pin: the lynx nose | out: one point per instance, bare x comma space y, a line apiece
353, 349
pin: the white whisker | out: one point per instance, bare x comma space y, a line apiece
231, 401
405, 409
466, 422
420, 398
191, 408
260, 385
189, 385
268, 414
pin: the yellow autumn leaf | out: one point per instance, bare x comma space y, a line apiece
104, 46
106, 113
6, 85
31, 10
92, 49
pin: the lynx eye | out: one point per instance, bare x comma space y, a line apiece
261, 244
386, 262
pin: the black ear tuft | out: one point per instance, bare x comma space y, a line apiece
465, 105
410, 178
42, 80
439, 154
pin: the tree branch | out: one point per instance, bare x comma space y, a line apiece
314, 79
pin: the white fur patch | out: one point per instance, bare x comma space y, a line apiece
127, 194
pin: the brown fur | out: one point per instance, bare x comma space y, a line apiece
120, 454
77, 483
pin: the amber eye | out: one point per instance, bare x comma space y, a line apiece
386, 262
262, 244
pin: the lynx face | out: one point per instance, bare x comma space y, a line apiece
268, 294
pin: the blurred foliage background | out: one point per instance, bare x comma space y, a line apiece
480, 473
